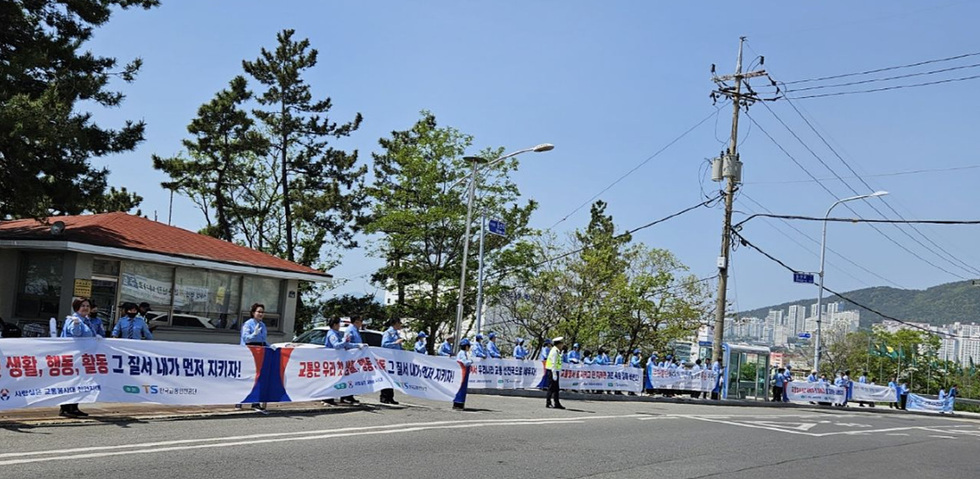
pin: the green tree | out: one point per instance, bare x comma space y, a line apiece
45, 72
321, 187
419, 206
219, 160
117, 200
349, 305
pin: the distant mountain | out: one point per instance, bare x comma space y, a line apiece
937, 305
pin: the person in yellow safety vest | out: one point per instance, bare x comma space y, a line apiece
553, 367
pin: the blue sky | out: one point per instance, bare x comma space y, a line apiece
611, 83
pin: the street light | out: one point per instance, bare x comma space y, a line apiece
476, 162
823, 251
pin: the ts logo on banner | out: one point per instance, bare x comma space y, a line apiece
4, 394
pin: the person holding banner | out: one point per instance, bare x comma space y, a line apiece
898, 395
574, 356
520, 352
352, 339
95, 322
131, 325
421, 343
334, 340
254, 333
553, 368
391, 340
492, 350
587, 359
77, 326
778, 381
478, 350
545, 350
446, 350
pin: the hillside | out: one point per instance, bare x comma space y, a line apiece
940, 304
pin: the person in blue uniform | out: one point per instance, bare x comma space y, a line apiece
478, 350
131, 325
254, 333
391, 340
587, 358
95, 322
78, 325
466, 359
335, 340
635, 360
421, 343
620, 360
446, 349
574, 356
492, 350
352, 337
520, 352
545, 350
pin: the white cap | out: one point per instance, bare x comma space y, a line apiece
558, 339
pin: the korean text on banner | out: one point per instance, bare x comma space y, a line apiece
923, 404
801, 391
872, 393
679, 379
505, 374
601, 378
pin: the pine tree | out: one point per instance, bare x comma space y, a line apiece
219, 163
322, 194
45, 142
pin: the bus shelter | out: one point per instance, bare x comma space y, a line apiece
746, 372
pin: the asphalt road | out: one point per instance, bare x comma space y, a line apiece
507, 437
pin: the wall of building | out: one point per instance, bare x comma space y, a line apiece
8, 282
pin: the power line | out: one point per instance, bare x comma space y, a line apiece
745, 242
845, 258
638, 166
895, 87
824, 187
854, 191
875, 80
877, 175
956, 261
879, 70
856, 220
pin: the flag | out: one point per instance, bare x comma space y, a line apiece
890, 352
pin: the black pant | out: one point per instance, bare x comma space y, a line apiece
553, 390
777, 393
387, 395
905, 400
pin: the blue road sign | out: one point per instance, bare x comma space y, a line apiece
803, 278
497, 227
804, 335
704, 343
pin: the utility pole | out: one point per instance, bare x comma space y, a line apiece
728, 167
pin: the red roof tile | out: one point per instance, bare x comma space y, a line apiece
122, 230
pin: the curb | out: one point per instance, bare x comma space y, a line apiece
578, 396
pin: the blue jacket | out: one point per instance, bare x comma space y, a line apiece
390, 339
446, 349
134, 328
254, 332
635, 361
81, 330
574, 357
620, 359
352, 336
520, 352
544, 353
335, 340
588, 360
420, 346
478, 350
97, 327
492, 350
464, 357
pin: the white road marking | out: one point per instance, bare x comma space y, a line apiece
802, 426
203, 443
897, 434
942, 437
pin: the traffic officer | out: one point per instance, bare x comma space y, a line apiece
553, 367
131, 325
478, 350
492, 350
520, 352
420, 344
446, 349
391, 340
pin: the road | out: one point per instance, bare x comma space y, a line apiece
505, 437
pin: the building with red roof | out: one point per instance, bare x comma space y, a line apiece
199, 288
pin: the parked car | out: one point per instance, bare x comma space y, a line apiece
316, 336
180, 320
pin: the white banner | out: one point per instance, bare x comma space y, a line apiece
506, 374
801, 391
923, 404
581, 377
680, 379
872, 393
320, 373
52, 371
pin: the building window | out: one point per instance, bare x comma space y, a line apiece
150, 283
39, 285
267, 291
209, 298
